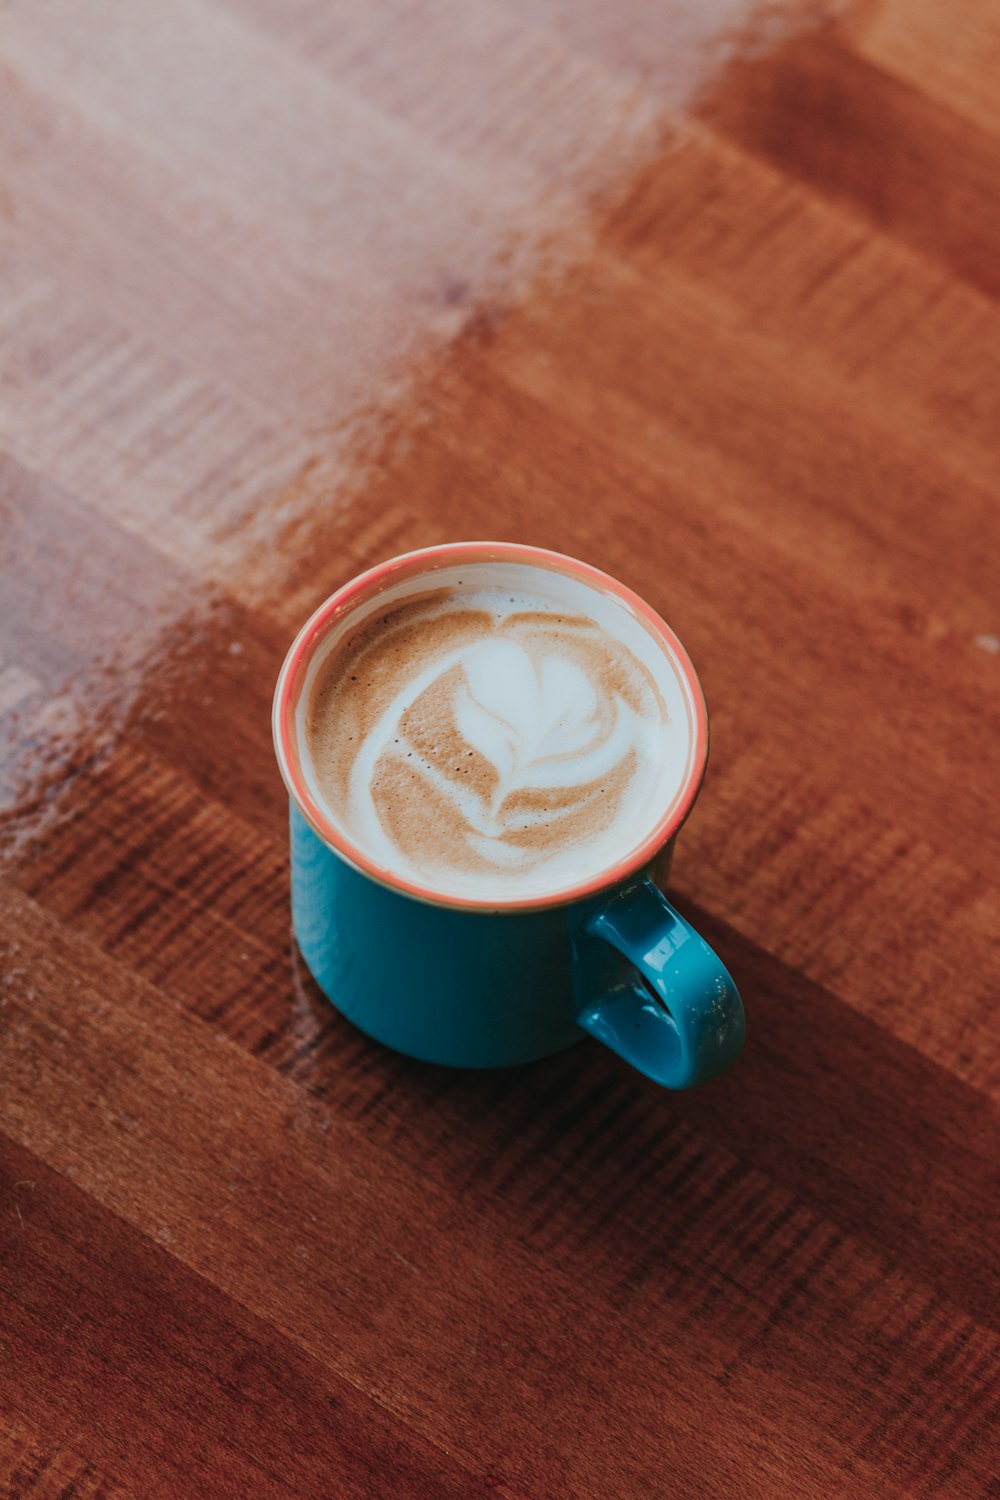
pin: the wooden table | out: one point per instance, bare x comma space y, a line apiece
701, 293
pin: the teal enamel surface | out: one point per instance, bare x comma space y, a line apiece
648, 986
480, 989
466, 988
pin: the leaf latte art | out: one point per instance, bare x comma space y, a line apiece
486, 742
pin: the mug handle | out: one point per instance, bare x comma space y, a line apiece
670, 1009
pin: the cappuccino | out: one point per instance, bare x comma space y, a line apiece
495, 732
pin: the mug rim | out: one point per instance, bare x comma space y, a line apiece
373, 581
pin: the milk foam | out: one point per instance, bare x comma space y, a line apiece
494, 742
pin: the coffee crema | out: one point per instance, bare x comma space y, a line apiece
488, 743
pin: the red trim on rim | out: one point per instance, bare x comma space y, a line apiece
427, 560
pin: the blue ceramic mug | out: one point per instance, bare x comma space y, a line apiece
473, 982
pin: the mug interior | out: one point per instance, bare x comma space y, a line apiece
569, 584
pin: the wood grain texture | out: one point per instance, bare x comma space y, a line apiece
705, 294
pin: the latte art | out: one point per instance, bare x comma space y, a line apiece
486, 742
507, 745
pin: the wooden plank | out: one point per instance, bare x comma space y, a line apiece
882, 147
510, 96
290, 1185
31, 1469
835, 298
106, 1334
950, 54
